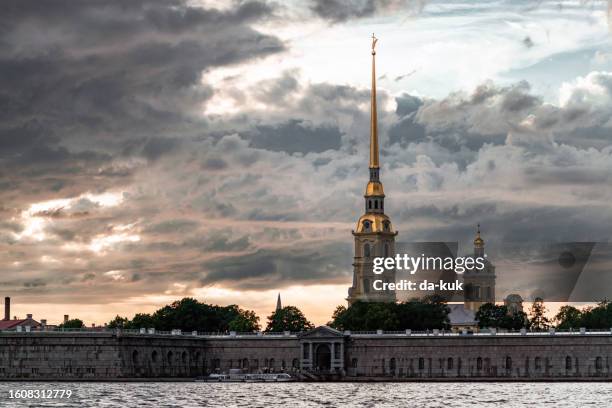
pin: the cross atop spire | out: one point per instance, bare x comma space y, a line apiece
374, 39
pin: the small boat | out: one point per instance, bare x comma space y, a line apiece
241, 377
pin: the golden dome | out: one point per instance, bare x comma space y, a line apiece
374, 223
375, 188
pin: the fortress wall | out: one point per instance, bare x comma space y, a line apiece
83, 356
253, 353
479, 356
58, 356
98, 356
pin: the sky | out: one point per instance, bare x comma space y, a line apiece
152, 150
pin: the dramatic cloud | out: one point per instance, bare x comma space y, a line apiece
338, 10
148, 151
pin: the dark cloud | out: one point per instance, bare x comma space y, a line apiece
98, 96
291, 266
295, 136
338, 10
81, 82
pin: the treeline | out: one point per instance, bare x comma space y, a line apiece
568, 317
428, 313
188, 314
598, 317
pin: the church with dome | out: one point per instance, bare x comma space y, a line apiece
374, 236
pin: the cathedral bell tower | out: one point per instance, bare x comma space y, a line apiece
374, 235
479, 285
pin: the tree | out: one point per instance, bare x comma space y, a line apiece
568, 317
245, 321
72, 324
338, 312
491, 315
515, 321
118, 321
599, 317
424, 314
289, 318
538, 319
141, 320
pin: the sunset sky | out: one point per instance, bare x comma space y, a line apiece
152, 150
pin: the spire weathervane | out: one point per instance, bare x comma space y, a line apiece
373, 113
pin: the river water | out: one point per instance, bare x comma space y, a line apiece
289, 395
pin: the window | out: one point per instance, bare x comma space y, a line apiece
135, 356
245, 363
306, 351
354, 363
271, 366
366, 250
598, 363
386, 225
376, 204
421, 363
392, 365
184, 357
508, 363
295, 363
337, 351
568, 363
154, 356
538, 363
370, 204
169, 357
449, 363
479, 363
366, 226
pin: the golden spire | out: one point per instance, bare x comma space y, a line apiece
478, 242
373, 114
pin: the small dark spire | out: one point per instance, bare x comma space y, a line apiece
278, 303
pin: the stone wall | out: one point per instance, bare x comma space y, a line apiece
105, 355
541, 356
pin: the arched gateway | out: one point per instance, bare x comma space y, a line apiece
322, 349
323, 357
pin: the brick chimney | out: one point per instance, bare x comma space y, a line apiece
29, 316
66, 318
7, 308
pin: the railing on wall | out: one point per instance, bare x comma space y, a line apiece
231, 334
